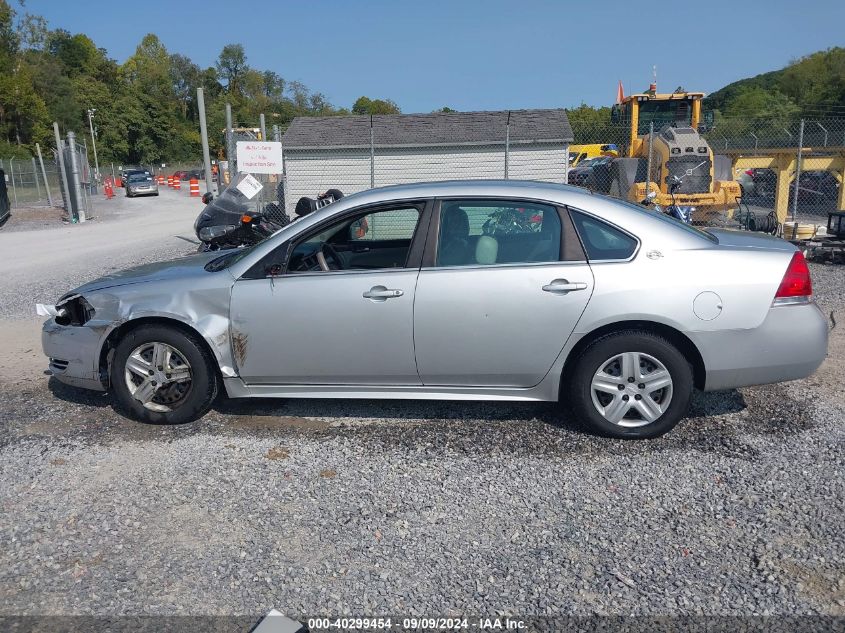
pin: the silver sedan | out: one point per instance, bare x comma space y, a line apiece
473, 290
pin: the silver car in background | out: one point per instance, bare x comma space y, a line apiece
465, 290
141, 184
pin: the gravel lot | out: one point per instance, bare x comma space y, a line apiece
379, 508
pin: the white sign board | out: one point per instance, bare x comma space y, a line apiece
260, 157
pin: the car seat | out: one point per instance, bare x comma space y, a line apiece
454, 234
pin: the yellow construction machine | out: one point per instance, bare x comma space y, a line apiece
673, 161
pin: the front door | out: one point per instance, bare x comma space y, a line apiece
341, 312
500, 296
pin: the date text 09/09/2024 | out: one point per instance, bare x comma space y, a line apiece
416, 624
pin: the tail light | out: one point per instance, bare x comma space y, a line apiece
796, 281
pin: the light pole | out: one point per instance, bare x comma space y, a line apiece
91, 112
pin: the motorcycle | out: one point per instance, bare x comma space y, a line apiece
674, 210
231, 220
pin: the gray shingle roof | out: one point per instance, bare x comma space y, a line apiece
452, 128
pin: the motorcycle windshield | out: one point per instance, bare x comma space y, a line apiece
246, 194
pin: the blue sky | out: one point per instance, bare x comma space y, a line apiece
473, 54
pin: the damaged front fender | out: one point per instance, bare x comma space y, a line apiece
80, 353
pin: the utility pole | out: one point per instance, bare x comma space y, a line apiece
230, 149
206, 157
78, 194
91, 112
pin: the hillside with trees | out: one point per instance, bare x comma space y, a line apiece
146, 108
811, 87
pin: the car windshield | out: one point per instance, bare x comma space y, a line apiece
138, 177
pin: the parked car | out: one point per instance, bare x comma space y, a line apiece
180, 175
580, 175
816, 187
141, 184
465, 290
5, 206
127, 173
764, 183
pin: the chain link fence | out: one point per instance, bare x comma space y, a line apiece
28, 186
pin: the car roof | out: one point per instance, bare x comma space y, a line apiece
630, 217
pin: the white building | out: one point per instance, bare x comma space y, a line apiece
352, 153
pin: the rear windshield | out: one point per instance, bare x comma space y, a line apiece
670, 220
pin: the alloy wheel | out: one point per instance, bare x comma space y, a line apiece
158, 376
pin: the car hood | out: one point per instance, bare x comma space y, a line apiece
183, 268
749, 239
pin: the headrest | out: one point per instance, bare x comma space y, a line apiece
487, 250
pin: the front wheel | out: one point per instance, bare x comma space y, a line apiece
631, 384
162, 375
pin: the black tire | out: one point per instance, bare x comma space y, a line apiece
204, 382
579, 379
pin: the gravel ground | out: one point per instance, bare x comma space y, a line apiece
375, 508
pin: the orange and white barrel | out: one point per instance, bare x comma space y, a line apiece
170, 181
194, 184
177, 184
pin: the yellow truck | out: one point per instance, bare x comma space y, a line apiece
681, 160
578, 153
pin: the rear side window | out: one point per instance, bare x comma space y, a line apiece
602, 241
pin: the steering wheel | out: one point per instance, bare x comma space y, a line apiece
327, 252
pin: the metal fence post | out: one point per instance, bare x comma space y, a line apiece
206, 156
797, 171
648, 164
35, 177
372, 155
507, 145
12, 178
74, 179
62, 171
44, 174
262, 123
230, 158
277, 134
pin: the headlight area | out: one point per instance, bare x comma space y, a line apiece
74, 311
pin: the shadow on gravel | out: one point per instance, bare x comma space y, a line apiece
75, 395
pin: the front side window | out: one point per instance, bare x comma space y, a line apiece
601, 240
366, 241
484, 232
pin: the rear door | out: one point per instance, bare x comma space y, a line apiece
502, 286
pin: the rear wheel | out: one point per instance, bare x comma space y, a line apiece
162, 375
631, 384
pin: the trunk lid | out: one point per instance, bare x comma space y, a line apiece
747, 239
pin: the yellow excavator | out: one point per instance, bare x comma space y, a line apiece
677, 167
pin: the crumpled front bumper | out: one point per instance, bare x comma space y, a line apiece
74, 353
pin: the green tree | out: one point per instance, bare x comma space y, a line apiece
231, 65
365, 105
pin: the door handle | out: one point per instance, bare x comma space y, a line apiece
380, 293
562, 286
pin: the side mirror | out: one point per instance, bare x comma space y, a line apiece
207, 197
273, 270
